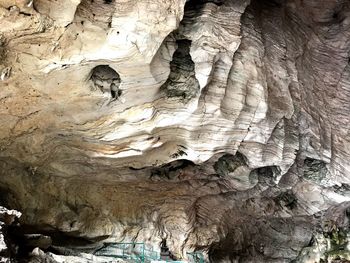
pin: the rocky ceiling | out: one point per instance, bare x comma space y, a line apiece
221, 126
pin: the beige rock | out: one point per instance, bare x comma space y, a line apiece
198, 80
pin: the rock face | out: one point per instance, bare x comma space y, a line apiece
220, 126
7, 218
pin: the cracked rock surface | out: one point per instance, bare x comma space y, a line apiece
221, 126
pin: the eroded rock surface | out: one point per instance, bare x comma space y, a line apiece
7, 247
221, 126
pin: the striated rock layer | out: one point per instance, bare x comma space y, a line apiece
221, 126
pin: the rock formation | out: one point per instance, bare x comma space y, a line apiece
219, 126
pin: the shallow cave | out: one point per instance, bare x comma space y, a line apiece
97, 12
106, 79
181, 83
266, 175
229, 163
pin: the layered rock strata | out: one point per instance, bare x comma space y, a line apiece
221, 126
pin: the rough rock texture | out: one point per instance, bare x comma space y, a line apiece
222, 126
7, 218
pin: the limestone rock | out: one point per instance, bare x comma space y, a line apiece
220, 126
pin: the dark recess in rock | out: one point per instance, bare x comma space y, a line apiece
315, 170
287, 199
167, 171
266, 175
343, 189
261, 240
107, 80
98, 12
182, 82
2, 47
228, 163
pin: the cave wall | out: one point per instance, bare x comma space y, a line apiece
219, 113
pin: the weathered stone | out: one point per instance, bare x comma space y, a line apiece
232, 137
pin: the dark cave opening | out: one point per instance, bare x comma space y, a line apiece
170, 170
287, 199
106, 79
28, 237
182, 82
229, 163
98, 12
266, 175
